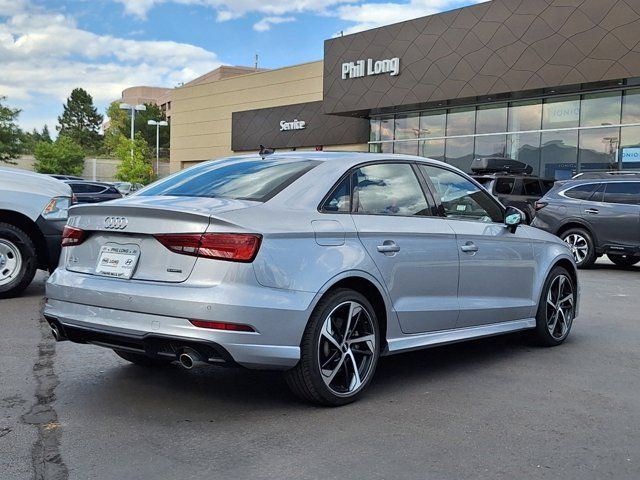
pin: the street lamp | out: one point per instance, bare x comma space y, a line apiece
133, 108
158, 124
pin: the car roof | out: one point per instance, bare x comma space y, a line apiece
346, 159
87, 182
585, 181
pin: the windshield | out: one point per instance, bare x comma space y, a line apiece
232, 178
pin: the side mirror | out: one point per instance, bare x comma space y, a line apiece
512, 218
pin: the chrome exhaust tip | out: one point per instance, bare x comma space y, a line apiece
57, 334
189, 358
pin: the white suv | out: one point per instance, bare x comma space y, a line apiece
33, 212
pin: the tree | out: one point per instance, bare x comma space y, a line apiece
64, 157
45, 135
120, 125
80, 121
10, 135
136, 168
116, 127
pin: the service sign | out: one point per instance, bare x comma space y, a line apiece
295, 125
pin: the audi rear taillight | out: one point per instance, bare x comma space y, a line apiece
235, 247
540, 205
232, 327
72, 236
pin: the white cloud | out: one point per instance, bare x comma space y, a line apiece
267, 22
232, 9
371, 15
46, 55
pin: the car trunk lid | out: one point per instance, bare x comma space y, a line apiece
129, 227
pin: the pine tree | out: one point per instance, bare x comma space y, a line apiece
45, 136
10, 135
80, 120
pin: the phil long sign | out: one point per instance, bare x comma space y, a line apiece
366, 68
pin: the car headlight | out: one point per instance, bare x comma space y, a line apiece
57, 209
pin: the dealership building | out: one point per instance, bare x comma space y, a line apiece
552, 83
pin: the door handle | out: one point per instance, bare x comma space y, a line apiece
389, 246
592, 211
469, 247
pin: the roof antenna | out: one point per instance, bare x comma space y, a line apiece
264, 151
255, 62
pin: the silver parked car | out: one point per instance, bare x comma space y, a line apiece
314, 263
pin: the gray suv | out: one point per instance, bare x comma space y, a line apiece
33, 212
595, 216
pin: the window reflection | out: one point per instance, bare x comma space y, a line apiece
559, 154
432, 124
598, 149
491, 146
561, 113
432, 149
600, 109
491, 119
407, 127
525, 116
461, 121
525, 147
459, 152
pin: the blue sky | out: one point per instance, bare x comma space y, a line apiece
49, 47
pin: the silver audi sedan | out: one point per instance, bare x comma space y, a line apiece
312, 263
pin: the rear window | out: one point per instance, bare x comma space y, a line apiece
256, 180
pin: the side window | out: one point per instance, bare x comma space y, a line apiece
340, 199
461, 199
388, 189
504, 186
531, 186
581, 192
622, 192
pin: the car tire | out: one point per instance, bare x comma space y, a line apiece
582, 246
18, 260
333, 350
556, 309
624, 260
142, 360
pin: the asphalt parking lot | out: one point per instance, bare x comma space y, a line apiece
495, 408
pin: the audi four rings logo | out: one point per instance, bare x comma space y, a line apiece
116, 223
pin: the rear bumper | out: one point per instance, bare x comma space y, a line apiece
114, 313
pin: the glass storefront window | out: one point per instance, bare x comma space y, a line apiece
433, 123
525, 147
386, 133
432, 149
561, 113
407, 127
559, 154
491, 119
406, 148
630, 148
491, 146
600, 109
598, 149
459, 152
374, 126
461, 121
525, 116
631, 106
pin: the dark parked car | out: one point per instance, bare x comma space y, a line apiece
511, 183
65, 177
595, 217
93, 192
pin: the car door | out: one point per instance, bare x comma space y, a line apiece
614, 214
497, 267
414, 251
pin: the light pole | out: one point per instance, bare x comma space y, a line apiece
133, 108
158, 124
